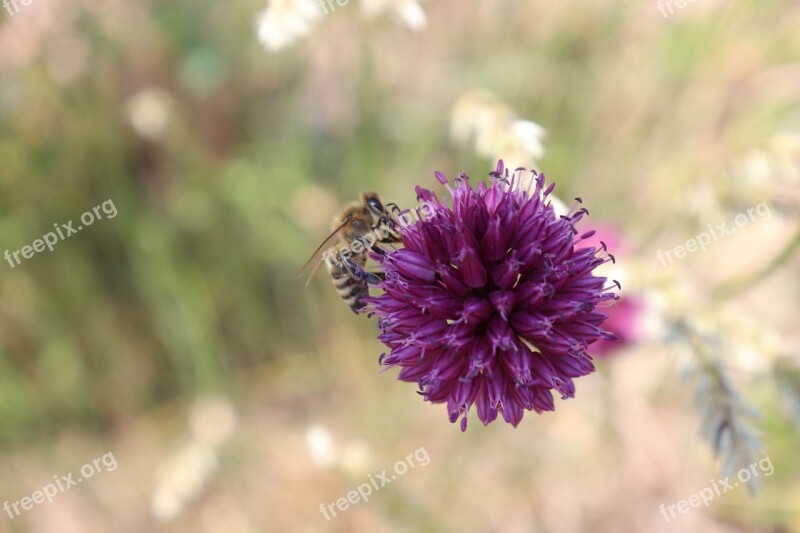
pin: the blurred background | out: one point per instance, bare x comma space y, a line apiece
227, 134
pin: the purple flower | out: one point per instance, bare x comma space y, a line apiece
490, 302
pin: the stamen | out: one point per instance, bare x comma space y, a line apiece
571, 225
578, 201
539, 183
501, 179
533, 178
604, 304
514, 177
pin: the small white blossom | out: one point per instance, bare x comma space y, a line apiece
321, 446
148, 112
497, 133
286, 21
409, 11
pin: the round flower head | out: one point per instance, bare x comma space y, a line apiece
490, 302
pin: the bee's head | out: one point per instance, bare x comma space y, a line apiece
372, 202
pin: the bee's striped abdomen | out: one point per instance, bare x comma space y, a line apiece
350, 288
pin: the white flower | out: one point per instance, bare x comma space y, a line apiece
148, 112
286, 21
409, 11
321, 446
530, 135
184, 475
496, 131
182, 478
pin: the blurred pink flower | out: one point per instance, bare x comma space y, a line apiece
622, 321
624, 314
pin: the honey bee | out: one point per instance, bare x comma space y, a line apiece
357, 229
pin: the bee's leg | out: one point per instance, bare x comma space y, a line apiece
384, 222
388, 224
374, 278
394, 207
380, 251
371, 278
390, 238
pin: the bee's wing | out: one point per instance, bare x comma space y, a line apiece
320, 247
313, 271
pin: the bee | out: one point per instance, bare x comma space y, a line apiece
356, 231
